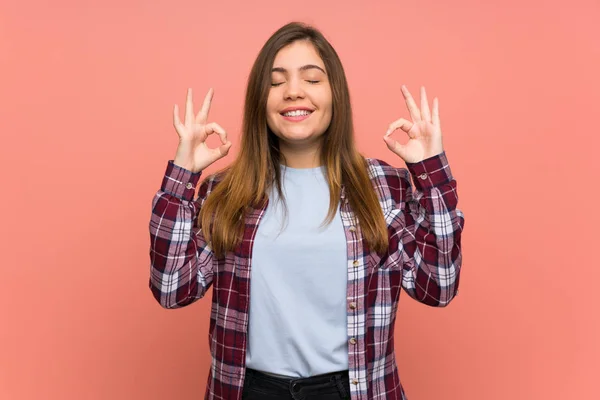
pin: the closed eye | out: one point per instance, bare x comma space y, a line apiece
275, 84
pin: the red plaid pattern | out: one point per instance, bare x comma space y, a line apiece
424, 258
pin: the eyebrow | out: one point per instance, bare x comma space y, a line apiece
302, 68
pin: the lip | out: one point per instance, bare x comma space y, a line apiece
296, 118
288, 109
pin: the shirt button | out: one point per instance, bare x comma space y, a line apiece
353, 305
355, 263
423, 176
352, 229
354, 382
352, 341
189, 185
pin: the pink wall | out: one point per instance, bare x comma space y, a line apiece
86, 96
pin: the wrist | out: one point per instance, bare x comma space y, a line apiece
184, 165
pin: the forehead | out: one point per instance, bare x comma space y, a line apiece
297, 54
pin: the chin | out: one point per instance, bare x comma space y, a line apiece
297, 136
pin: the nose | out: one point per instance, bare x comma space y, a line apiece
293, 90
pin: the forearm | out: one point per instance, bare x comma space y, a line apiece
181, 265
431, 240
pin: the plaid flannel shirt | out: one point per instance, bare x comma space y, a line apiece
424, 258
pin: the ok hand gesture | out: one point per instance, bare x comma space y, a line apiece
424, 132
192, 153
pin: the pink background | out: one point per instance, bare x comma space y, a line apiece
86, 96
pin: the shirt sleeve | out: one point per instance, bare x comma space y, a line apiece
181, 262
430, 236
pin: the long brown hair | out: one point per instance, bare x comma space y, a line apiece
256, 169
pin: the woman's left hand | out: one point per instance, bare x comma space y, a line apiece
424, 132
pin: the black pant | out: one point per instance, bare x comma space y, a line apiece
332, 386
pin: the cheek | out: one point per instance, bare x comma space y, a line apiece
270, 104
271, 110
326, 101
328, 109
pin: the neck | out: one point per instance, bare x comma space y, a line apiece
299, 156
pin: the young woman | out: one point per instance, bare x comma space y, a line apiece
305, 242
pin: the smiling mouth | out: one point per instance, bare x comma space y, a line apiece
297, 113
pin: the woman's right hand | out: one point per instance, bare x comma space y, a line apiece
192, 153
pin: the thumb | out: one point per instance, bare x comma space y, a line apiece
224, 149
395, 147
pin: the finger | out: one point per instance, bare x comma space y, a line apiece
203, 113
396, 147
176, 120
213, 127
189, 108
220, 151
425, 113
402, 123
411, 105
224, 149
435, 119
